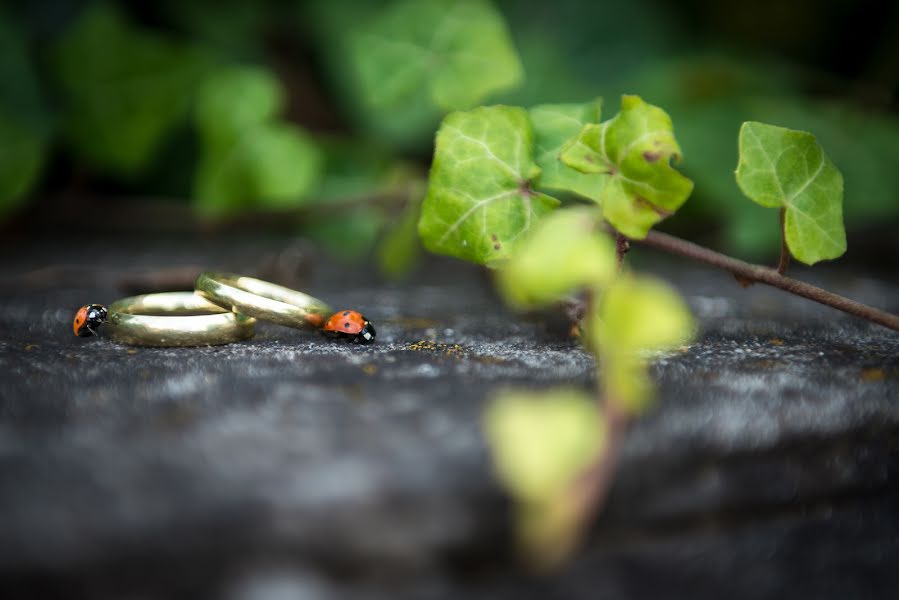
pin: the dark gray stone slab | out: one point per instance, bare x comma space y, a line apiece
768, 468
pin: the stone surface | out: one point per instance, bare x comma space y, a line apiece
288, 466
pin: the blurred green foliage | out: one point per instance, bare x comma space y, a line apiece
251, 158
109, 88
554, 125
24, 120
125, 90
402, 65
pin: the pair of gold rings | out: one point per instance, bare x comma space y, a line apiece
222, 309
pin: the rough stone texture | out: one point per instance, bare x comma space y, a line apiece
288, 466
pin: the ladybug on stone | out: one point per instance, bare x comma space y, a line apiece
351, 326
88, 318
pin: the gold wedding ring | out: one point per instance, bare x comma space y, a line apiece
262, 300
175, 319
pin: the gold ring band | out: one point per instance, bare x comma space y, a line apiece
263, 300
175, 319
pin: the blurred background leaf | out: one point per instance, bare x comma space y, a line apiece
406, 63
126, 89
250, 157
233, 27
25, 123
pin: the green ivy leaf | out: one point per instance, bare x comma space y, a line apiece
542, 441
635, 316
564, 252
250, 158
554, 125
480, 200
459, 51
125, 89
784, 168
634, 151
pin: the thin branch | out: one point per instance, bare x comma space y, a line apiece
784, 260
593, 486
622, 245
744, 271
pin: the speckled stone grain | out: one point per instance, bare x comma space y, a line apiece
291, 466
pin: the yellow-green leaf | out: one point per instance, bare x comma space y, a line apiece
634, 151
635, 317
565, 251
542, 441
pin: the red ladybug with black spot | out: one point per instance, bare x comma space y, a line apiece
351, 326
88, 319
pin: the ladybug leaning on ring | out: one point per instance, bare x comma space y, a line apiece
88, 318
349, 325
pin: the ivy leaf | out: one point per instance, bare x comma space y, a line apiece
126, 89
459, 51
542, 441
480, 200
564, 252
649, 315
634, 151
636, 316
784, 168
250, 158
554, 125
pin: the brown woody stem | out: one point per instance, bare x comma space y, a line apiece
744, 271
784, 260
622, 245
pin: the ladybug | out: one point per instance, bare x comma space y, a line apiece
88, 318
349, 325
